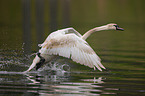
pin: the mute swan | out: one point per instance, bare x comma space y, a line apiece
70, 44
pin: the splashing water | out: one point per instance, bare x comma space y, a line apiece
14, 60
56, 66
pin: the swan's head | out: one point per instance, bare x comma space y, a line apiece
113, 26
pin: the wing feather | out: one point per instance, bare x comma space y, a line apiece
70, 45
58, 32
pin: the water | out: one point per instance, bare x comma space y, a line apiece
123, 76
77, 83
122, 53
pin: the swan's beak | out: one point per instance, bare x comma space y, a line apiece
118, 28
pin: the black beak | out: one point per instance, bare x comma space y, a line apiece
118, 28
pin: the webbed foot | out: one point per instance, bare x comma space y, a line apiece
41, 62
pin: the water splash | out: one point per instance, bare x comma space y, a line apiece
56, 66
14, 59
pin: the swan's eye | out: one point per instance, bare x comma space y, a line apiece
116, 26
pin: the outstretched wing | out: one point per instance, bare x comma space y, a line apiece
72, 46
60, 32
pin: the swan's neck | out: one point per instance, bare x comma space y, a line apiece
88, 33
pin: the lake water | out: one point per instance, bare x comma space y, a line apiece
122, 53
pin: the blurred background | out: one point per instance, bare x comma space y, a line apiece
26, 23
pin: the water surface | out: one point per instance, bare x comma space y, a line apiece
122, 53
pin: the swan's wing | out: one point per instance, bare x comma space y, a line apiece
60, 32
72, 46
72, 30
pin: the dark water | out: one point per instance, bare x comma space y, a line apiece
124, 76
122, 53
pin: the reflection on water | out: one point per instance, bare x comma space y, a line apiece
25, 23
124, 75
72, 83
49, 84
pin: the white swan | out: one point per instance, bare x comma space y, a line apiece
70, 44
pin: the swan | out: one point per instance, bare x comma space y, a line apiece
70, 44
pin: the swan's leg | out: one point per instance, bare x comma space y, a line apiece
41, 62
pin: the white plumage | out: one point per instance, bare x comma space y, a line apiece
71, 44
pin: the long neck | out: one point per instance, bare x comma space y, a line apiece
88, 33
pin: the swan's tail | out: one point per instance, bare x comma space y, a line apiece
35, 61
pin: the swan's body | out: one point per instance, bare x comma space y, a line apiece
70, 44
